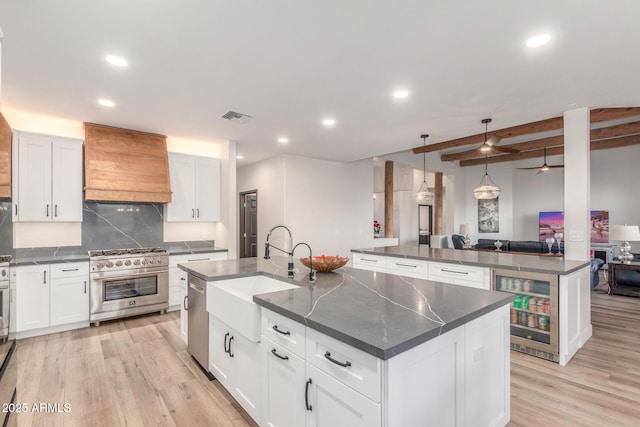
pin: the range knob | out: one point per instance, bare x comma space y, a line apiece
4, 273
143, 261
136, 262
100, 265
127, 262
109, 264
118, 263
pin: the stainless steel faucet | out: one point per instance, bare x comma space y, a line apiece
290, 271
312, 274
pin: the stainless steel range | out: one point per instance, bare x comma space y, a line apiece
126, 282
4, 297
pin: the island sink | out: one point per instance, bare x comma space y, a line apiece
232, 301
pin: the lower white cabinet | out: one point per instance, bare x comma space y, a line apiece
332, 403
466, 275
235, 362
183, 277
51, 295
283, 382
369, 262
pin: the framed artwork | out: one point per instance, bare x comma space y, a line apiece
550, 223
488, 216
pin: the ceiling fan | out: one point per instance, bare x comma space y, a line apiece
545, 167
489, 144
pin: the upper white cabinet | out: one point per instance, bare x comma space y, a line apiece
49, 178
195, 183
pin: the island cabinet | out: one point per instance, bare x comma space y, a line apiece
453, 273
235, 361
48, 184
460, 378
195, 182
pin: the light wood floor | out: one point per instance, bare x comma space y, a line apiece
136, 372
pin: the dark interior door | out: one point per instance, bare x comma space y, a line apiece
248, 225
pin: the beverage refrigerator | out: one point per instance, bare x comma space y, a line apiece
534, 312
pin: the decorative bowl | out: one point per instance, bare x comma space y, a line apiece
325, 263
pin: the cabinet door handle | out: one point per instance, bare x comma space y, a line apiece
11, 295
369, 260
275, 328
45, 277
184, 302
85, 286
70, 269
346, 364
198, 213
225, 343
406, 265
306, 395
198, 259
230, 339
454, 271
16, 205
47, 210
275, 353
55, 210
193, 213
183, 279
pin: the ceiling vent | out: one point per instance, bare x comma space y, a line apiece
236, 117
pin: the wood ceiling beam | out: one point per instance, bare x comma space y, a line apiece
625, 129
597, 115
523, 146
602, 144
525, 129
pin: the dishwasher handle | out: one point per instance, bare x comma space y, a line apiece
197, 287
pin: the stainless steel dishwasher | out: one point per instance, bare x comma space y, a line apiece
198, 324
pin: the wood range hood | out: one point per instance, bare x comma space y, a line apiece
123, 165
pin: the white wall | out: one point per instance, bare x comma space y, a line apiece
325, 204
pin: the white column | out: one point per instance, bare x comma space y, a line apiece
577, 177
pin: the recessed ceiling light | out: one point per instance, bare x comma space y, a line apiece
106, 103
328, 122
117, 61
283, 140
399, 94
239, 157
538, 40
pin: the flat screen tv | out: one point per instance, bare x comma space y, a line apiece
550, 223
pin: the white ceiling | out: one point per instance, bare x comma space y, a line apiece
291, 63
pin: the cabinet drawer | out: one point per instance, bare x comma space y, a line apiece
69, 269
174, 260
408, 267
369, 262
363, 372
455, 272
284, 331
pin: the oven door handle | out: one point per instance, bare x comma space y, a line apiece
130, 275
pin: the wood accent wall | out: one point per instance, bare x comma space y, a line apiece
125, 165
438, 205
5, 158
388, 198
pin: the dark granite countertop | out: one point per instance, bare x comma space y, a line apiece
495, 259
36, 256
381, 314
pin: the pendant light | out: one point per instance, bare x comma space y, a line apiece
487, 188
423, 195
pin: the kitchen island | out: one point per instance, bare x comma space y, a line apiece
369, 348
554, 332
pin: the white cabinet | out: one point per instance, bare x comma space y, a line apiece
195, 183
51, 295
49, 178
407, 267
69, 293
235, 362
33, 301
466, 275
369, 262
331, 403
